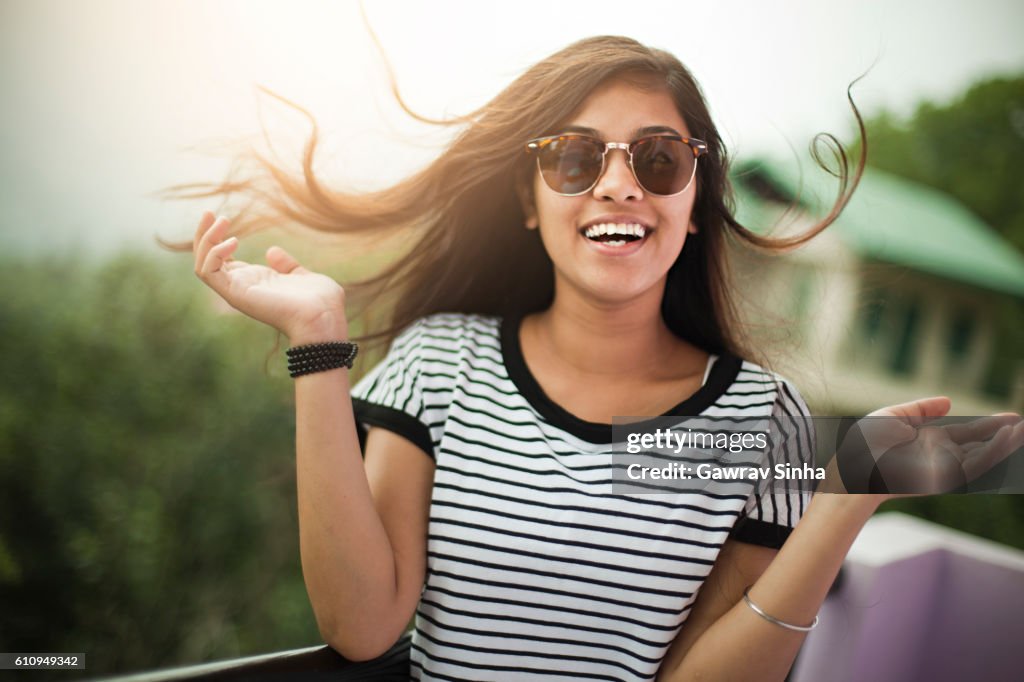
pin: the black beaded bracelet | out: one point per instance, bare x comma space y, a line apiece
320, 357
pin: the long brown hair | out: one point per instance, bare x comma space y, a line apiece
471, 252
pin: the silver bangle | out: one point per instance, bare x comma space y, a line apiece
771, 619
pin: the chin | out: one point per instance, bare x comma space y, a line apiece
619, 295
613, 286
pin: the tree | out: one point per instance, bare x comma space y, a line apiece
147, 503
971, 148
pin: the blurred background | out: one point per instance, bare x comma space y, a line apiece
147, 511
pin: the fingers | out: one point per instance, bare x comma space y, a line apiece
217, 255
210, 237
282, 261
980, 429
1006, 441
926, 409
204, 224
918, 411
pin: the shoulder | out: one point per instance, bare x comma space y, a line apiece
452, 327
445, 337
756, 382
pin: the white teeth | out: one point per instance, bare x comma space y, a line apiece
634, 229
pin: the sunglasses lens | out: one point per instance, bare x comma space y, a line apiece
663, 166
571, 165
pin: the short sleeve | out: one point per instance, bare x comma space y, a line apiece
391, 395
773, 511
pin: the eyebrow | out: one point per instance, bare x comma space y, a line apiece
640, 132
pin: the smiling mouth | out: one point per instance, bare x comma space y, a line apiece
616, 234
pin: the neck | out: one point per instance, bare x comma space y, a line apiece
620, 339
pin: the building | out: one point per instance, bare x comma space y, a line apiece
907, 295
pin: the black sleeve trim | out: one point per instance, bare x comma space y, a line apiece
405, 425
756, 532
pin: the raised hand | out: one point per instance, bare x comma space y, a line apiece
905, 452
304, 305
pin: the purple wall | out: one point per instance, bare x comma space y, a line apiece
937, 614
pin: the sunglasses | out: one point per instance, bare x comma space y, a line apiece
571, 164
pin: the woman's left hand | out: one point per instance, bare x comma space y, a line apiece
913, 457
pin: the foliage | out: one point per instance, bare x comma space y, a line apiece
147, 506
995, 517
971, 148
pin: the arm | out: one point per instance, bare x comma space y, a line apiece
793, 580
790, 584
362, 528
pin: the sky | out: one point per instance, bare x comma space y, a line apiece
107, 101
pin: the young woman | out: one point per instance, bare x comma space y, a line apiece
567, 268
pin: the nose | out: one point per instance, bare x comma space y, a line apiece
617, 182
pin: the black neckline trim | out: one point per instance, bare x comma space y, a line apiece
723, 374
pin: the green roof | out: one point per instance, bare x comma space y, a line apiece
897, 221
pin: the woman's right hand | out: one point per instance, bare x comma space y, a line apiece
305, 306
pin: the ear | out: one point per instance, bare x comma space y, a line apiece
692, 228
525, 194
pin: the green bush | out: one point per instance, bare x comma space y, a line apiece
996, 517
148, 491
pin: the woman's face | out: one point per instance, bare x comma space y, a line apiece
611, 274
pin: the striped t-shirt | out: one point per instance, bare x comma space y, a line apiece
535, 568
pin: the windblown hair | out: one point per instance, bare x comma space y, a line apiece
471, 251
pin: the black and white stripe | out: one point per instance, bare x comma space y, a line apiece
536, 569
